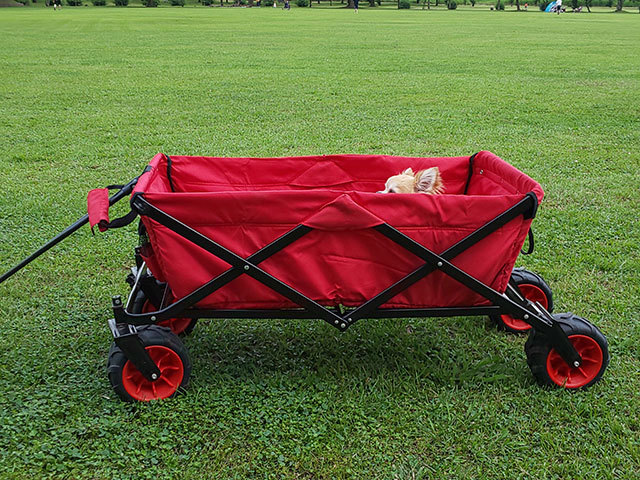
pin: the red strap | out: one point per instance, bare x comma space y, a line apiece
98, 208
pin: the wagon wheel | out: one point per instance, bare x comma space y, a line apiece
179, 326
533, 288
168, 353
549, 368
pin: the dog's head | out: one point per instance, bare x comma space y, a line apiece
425, 181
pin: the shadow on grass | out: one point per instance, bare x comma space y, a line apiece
440, 351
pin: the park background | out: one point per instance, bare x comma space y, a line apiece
497, 5
90, 94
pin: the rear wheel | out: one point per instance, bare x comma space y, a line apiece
179, 326
549, 368
168, 353
533, 288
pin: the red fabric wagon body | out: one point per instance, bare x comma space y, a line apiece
244, 204
310, 238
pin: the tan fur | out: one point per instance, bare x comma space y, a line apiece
426, 181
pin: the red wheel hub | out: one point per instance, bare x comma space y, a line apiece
177, 325
171, 373
533, 294
572, 377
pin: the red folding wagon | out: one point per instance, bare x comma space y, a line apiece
310, 237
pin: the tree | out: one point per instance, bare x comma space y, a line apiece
619, 5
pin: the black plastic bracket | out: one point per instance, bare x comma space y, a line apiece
138, 204
557, 337
152, 290
534, 207
126, 338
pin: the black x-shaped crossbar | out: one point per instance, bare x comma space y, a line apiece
501, 304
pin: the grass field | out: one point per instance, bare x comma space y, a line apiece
90, 95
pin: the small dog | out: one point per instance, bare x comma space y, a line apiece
425, 181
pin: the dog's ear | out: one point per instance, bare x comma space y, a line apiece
428, 181
408, 171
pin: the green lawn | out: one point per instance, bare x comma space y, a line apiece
89, 95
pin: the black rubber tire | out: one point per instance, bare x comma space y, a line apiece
522, 276
538, 347
138, 304
149, 335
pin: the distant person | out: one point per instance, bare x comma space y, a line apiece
287, 5
526, 5
275, 4
355, 5
558, 6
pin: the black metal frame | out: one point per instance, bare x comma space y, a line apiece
125, 332
512, 302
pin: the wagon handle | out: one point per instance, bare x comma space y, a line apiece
123, 192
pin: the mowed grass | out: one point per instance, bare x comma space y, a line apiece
90, 95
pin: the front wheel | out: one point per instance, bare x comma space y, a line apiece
549, 368
170, 355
